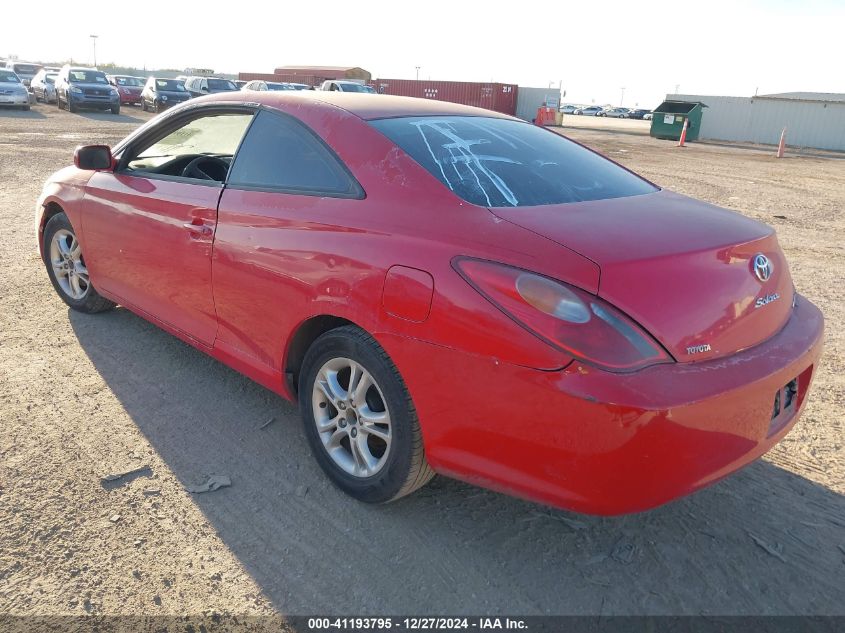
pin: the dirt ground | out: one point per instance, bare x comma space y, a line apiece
85, 396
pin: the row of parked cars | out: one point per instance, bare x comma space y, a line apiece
78, 87
616, 113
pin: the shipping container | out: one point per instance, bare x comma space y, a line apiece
491, 96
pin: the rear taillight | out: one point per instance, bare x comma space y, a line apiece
573, 321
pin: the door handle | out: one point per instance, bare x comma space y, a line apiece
202, 229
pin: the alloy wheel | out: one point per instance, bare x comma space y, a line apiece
352, 418
68, 264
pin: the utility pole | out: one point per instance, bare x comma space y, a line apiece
94, 41
418, 72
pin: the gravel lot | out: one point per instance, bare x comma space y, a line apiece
85, 396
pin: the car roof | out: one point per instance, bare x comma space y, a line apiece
366, 106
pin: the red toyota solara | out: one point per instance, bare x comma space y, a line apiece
445, 289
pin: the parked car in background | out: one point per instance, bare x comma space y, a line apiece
568, 109
43, 85
12, 91
640, 344
614, 113
638, 113
588, 111
24, 70
160, 93
239, 83
128, 87
198, 86
260, 84
301, 86
339, 85
80, 87
648, 116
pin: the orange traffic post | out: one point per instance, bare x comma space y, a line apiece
782, 144
683, 134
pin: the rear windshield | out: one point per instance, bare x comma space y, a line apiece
128, 81
172, 85
27, 69
221, 84
354, 88
7, 76
505, 163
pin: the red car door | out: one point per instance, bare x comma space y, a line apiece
276, 220
149, 226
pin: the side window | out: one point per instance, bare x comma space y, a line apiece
201, 148
281, 154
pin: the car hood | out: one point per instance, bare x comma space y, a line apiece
682, 268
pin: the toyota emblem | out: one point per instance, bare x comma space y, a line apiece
762, 267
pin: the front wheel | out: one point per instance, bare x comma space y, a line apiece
67, 269
359, 419
115, 109
71, 106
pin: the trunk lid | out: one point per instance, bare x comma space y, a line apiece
681, 268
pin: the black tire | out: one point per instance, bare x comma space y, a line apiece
405, 468
115, 110
143, 105
92, 302
71, 106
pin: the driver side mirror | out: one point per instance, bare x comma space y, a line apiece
92, 157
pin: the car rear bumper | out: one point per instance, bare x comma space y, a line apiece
602, 443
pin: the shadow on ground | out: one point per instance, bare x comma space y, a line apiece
765, 541
108, 117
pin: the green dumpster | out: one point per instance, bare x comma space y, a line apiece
668, 118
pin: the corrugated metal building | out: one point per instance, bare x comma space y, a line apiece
326, 72
528, 100
813, 119
492, 96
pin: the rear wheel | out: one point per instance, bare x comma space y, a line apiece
359, 418
67, 269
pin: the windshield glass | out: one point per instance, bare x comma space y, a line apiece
7, 76
272, 86
355, 88
51, 78
171, 85
128, 81
27, 69
505, 163
87, 77
221, 84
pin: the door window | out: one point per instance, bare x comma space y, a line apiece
281, 154
201, 149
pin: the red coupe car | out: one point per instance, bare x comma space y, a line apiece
446, 289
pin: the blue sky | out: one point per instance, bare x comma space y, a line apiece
593, 48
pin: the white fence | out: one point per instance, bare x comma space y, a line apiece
816, 124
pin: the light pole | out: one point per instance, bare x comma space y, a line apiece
418, 72
622, 98
94, 41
